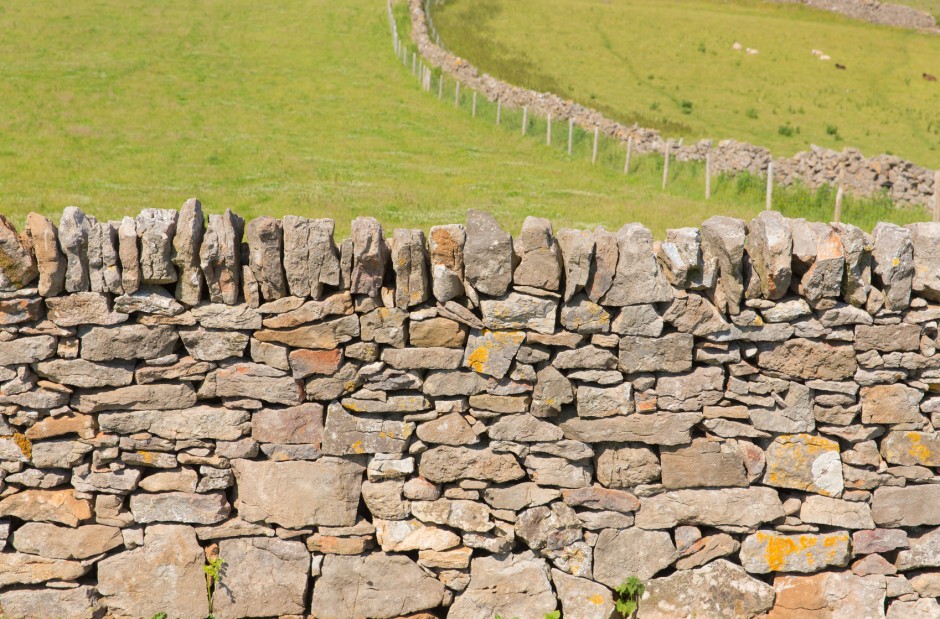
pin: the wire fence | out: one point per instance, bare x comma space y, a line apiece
692, 178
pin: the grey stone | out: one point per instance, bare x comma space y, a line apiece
585, 357
60, 506
375, 585
261, 382
577, 251
370, 256
219, 316
103, 269
83, 308
703, 464
890, 404
156, 229
510, 585
797, 553
265, 243
25, 569
555, 533
163, 575
346, 434
519, 311
723, 241
298, 494
523, 428
925, 239
407, 535
669, 353
301, 424
638, 279
638, 320
200, 422
410, 263
626, 467
718, 590
73, 239
325, 335
135, 397
924, 550
560, 472
463, 515
337, 304
584, 316
734, 507
311, 258
680, 257
519, 496
446, 247
888, 338
190, 228
133, 341
209, 508
488, 256
220, 257
692, 391
492, 352
808, 359
129, 253
836, 513
148, 299
857, 248
769, 244
692, 313
384, 326
539, 256
893, 264
604, 266
604, 401
86, 374
631, 551
909, 506
654, 428
384, 499
213, 345
447, 464
818, 259
241, 593
551, 393
81, 602
55, 542
51, 263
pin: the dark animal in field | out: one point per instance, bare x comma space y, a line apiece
841, 67
929, 77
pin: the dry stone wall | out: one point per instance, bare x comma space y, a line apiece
744, 416
904, 182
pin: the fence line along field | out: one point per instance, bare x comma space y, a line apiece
755, 71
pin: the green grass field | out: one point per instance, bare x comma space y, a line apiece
669, 64
302, 108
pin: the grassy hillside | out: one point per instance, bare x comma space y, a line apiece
669, 64
117, 105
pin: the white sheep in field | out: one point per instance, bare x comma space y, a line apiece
751, 51
825, 57
817, 52
736, 47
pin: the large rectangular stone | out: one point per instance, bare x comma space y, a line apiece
653, 429
668, 353
734, 507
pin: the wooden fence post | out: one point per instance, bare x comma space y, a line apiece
414, 63
456, 94
708, 174
770, 186
936, 195
474, 114
840, 192
548, 130
499, 111
440, 86
570, 134
594, 149
626, 163
525, 118
666, 164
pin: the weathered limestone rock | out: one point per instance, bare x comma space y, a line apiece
163, 575
604, 401
83, 308
925, 240
888, 338
691, 313
384, 326
451, 429
828, 595
552, 392
584, 316
539, 257
210, 345
295, 425
604, 267
805, 462
27, 350
79, 603
104, 272
156, 229
735, 507
86, 374
680, 257
55, 542
134, 341
857, 247
891, 404
384, 500
703, 464
328, 334
512, 585
718, 590
893, 264
924, 550
878, 540
558, 472
407, 535
524, 428
582, 598
488, 256
723, 245
702, 387
209, 508
924, 608
586, 358
818, 259
375, 585
626, 467
298, 494
252, 380
370, 255
446, 245
190, 228
311, 258
129, 254
437, 333
47, 506
520, 311
836, 513
769, 551
447, 464
220, 257
24, 569
345, 434
241, 593
51, 263
200, 422
638, 279
577, 251
492, 352
631, 551
808, 359
911, 448
769, 243
148, 299
462, 515
73, 239
410, 263
669, 353
20, 310
653, 429
135, 397
910, 506
265, 242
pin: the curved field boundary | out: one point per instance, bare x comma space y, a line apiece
881, 13
904, 182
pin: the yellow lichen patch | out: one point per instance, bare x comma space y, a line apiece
25, 445
597, 599
357, 447
146, 457
778, 548
478, 358
918, 451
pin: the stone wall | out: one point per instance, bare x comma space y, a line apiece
904, 182
881, 13
743, 416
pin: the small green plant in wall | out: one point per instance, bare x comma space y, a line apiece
628, 596
213, 571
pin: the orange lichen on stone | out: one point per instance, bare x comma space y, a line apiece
918, 451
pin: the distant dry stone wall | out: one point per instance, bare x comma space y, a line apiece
744, 416
904, 182
881, 13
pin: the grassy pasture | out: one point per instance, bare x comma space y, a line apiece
302, 108
669, 64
